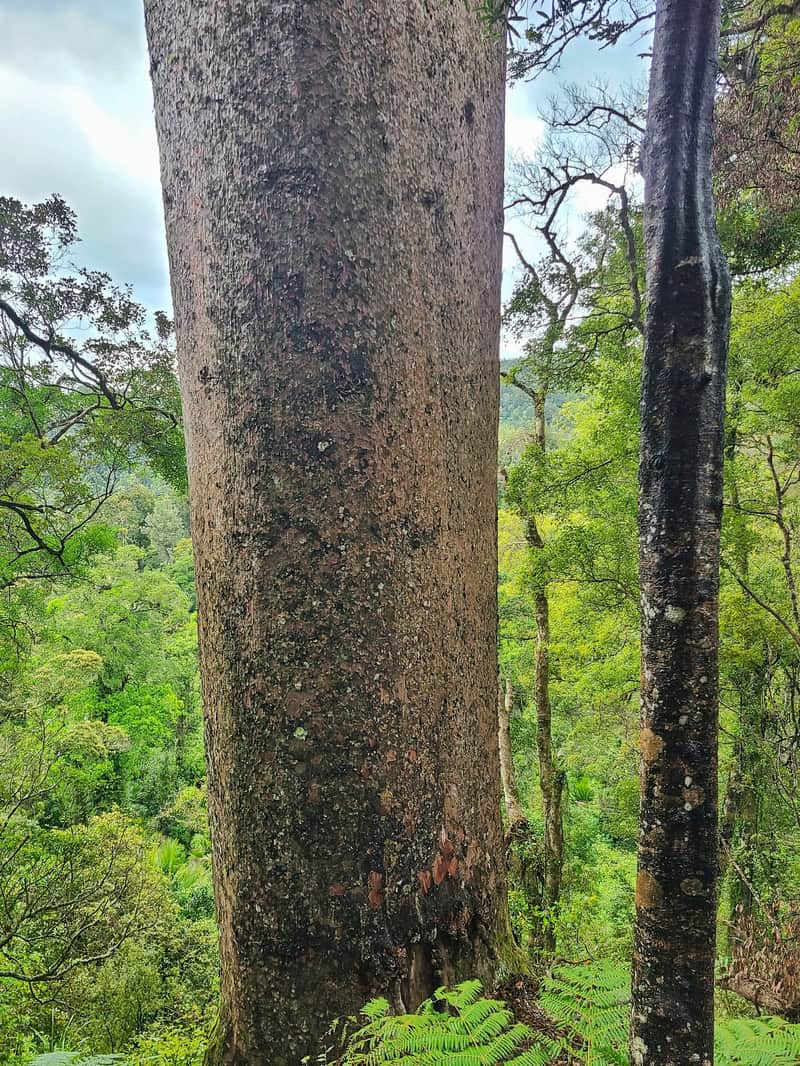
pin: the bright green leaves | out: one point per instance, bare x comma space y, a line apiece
456, 1027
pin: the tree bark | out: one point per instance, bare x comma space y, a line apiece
332, 180
523, 857
683, 393
508, 775
514, 811
551, 778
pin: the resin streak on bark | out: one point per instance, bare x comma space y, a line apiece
683, 391
332, 178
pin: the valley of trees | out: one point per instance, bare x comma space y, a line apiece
335, 728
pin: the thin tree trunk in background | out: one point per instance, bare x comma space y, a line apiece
522, 856
333, 180
514, 811
551, 778
683, 399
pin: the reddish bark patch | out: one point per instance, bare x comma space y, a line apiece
425, 880
337, 889
439, 869
375, 896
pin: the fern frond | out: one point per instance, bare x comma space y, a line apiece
591, 1004
757, 1042
469, 1031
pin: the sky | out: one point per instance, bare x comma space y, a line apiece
77, 119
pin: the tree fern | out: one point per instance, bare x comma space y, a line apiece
591, 1004
456, 1027
757, 1042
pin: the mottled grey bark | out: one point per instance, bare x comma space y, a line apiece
332, 180
683, 392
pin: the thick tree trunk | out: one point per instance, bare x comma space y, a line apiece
333, 192
505, 703
683, 394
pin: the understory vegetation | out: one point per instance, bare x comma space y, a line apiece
107, 932
589, 1011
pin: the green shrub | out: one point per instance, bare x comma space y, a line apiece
590, 1005
74, 1058
456, 1028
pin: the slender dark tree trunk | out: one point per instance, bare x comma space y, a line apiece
333, 194
523, 860
551, 778
505, 703
683, 396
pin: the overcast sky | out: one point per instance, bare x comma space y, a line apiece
77, 119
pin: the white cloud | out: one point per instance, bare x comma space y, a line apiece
523, 134
128, 143
588, 197
77, 120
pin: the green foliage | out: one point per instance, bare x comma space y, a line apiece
757, 1042
591, 1005
74, 1058
157, 1047
459, 1027
454, 1028
170, 856
163, 1046
100, 719
86, 392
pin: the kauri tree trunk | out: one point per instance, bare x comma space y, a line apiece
332, 180
683, 394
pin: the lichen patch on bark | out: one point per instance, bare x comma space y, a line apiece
649, 893
650, 744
